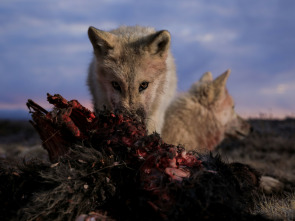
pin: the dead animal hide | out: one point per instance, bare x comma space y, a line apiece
107, 165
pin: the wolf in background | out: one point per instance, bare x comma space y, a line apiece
201, 118
133, 69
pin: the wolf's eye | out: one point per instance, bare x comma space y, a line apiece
143, 86
116, 86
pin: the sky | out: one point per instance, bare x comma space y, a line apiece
44, 47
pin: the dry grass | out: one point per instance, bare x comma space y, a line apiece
271, 150
19, 139
277, 207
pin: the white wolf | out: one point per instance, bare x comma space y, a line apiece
201, 118
133, 69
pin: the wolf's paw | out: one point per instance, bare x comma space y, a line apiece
270, 185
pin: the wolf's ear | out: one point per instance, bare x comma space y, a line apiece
158, 43
203, 91
206, 77
219, 84
201, 85
220, 81
102, 41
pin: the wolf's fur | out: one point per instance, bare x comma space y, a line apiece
201, 118
130, 56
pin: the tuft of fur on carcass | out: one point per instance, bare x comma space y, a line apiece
107, 164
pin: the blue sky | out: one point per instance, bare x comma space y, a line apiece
44, 47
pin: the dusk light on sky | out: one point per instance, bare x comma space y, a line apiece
44, 47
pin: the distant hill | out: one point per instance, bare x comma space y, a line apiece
18, 114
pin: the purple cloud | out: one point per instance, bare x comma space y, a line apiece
44, 46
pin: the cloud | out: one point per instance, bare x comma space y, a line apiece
279, 89
281, 84
44, 45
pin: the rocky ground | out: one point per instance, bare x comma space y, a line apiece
270, 149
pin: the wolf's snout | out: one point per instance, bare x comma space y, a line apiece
241, 134
138, 113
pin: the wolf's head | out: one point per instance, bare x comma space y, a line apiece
130, 67
214, 96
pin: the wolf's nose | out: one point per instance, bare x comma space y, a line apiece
141, 113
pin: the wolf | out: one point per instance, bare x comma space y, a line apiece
202, 117
133, 68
